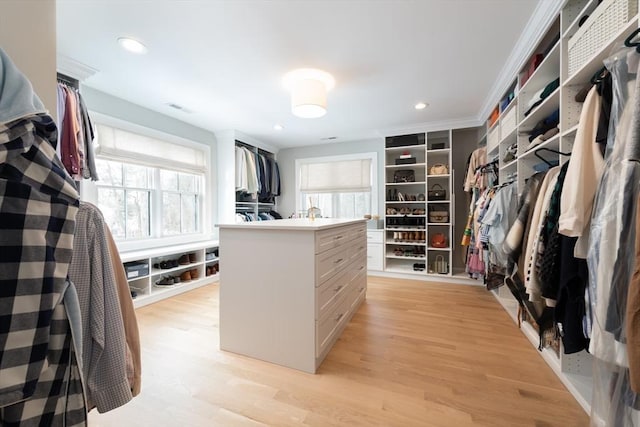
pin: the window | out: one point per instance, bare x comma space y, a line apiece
180, 204
149, 186
341, 186
127, 193
124, 196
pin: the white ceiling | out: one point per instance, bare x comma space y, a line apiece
224, 60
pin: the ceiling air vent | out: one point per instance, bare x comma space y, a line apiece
178, 107
329, 138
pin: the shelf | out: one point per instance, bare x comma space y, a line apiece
246, 203
509, 165
439, 249
408, 269
391, 256
438, 176
439, 223
552, 143
406, 215
439, 201
570, 131
548, 106
509, 107
510, 138
160, 271
547, 71
407, 228
406, 183
439, 151
584, 73
420, 147
158, 294
418, 243
212, 260
395, 202
266, 204
167, 250
409, 165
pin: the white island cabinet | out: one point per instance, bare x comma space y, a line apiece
289, 287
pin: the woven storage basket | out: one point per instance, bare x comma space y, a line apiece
605, 21
508, 122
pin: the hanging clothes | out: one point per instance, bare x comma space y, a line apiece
76, 133
257, 175
41, 382
611, 251
478, 158
104, 342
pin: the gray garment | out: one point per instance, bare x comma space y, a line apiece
104, 342
90, 170
18, 99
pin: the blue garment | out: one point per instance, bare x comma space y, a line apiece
17, 98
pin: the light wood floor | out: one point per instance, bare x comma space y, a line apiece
415, 354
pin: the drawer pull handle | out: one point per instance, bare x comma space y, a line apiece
337, 319
361, 248
361, 267
338, 261
338, 288
338, 237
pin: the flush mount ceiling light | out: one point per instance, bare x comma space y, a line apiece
132, 45
420, 106
308, 87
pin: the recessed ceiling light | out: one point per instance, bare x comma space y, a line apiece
421, 106
278, 126
132, 45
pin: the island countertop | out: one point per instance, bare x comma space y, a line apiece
294, 224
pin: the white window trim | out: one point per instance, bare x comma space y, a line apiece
89, 192
373, 156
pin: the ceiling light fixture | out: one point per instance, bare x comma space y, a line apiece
278, 127
421, 106
132, 45
308, 87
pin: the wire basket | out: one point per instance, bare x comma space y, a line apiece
605, 21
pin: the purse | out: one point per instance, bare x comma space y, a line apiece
439, 169
438, 240
436, 193
441, 266
404, 175
438, 216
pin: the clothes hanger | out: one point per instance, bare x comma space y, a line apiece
550, 150
629, 43
599, 75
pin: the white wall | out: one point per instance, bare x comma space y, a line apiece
28, 35
287, 158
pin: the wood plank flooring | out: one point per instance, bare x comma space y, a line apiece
415, 354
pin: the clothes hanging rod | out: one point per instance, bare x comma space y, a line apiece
69, 81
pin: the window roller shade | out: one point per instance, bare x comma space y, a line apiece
332, 177
121, 145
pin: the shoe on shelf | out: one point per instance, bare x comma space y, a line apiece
165, 281
216, 268
184, 260
194, 273
176, 279
192, 257
185, 276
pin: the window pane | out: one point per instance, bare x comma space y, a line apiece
189, 214
170, 214
136, 176
137, 214
168, 180
339, 205
110, 173
111, 203
188, 183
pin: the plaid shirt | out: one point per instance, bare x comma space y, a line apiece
38, 205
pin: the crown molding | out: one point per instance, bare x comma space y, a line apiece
468, 122
72, 68
543, 16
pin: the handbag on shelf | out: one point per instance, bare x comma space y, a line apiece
439, 169
439, 216
440, 266
404, 175
436, 192
438, 240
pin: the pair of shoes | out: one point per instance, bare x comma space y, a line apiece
166, 264
418, 266
194, 273
165, 281
187, 259
392, 211
188, 275
209, 256
212, 269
